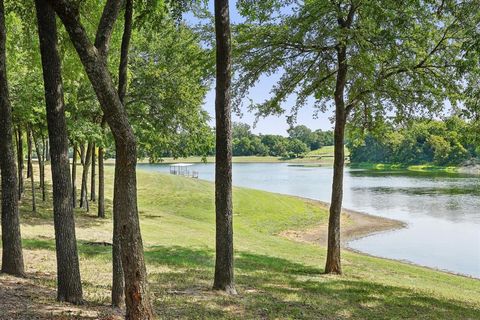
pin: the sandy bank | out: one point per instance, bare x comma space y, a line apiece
354, 225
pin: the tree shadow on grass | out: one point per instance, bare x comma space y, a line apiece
275, 288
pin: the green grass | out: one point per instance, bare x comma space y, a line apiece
276, 278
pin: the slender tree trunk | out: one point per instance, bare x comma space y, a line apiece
118, 281
333, 264
137, 298
74, 175
101, 183
12, 256
224, 278
68, 271
30, 169
93, 196
21, 187
47, 150
29, 154
84, 189
82, 154
41, 167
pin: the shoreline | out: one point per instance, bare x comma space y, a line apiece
374, 225
354, 225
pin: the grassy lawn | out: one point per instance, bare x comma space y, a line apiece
276, 278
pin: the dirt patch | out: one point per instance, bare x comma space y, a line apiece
354, 225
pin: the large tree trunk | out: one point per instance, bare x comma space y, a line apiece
68, 271
84, 188
118, 282
333, 263
30, 169
224, 279
74, 175
137, 299
93, 196
41, 167
21, 187
12, 256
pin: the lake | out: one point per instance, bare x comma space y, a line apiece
441, 210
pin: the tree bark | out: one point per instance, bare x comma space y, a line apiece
74, 175
68, 271
93, 196
30, 169
21, 187
333, 263
84, 189
41, 167
224, 277
29, 154
137, 300
12, 255
118, 282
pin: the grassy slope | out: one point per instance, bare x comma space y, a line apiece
276, 277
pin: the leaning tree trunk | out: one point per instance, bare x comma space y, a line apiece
68, 271
224, 279
74, 175
21, 187
333, 263
12, 256
137, 300
93, 196
41, 167
84, 189
30, 169
118, 282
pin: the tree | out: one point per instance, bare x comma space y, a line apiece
302, 133
68, 271
224, 278
363, 57
240, 130
297, 147
12, 256
93, 57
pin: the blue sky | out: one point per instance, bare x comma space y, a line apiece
271, 124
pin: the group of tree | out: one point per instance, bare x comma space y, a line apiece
66, 96
300, 141
134, 83
452, 141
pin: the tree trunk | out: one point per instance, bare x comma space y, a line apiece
118, 282
47, 150
30, 169
224, 279
82, 154
29, 155
41, 167
333, 264
74, 175
101, 184
12, 256
137, 300
84, 189
68, 271
93, 196
21, 187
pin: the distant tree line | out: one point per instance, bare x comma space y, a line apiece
300, 141
451, 141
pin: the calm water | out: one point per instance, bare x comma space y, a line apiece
442, 211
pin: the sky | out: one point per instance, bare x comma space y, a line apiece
270, 124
